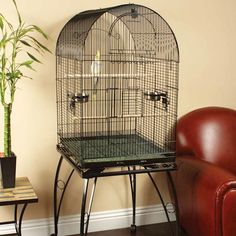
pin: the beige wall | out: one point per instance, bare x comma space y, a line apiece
206, 34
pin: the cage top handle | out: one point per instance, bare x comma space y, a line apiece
134, 14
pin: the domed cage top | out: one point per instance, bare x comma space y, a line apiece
117, 87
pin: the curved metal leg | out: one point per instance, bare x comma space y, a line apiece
19, 224
21, 218
15, 218
132, 178
90, 204
57, 206
162, 201
83, 221
178, 229
55, 197
83, 207
63, 192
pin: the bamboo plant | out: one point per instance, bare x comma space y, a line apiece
15, 43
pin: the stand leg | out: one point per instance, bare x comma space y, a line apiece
82, 214
162, 201
83, 222
178, 229
55, 197
90, 204
57, 206
132, 178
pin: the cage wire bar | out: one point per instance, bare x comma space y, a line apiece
117, 87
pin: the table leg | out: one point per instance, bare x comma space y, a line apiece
21, 218
15, 217
19, 224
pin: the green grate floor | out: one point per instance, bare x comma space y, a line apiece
114, 148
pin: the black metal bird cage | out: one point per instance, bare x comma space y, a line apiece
117, 86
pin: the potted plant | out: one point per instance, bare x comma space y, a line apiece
15, 43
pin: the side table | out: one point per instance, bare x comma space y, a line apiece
23, 194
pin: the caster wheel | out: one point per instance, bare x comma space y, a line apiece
133, 228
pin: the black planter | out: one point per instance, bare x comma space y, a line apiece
8, 169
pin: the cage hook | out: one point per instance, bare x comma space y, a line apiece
134, 13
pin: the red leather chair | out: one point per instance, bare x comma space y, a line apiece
206, 178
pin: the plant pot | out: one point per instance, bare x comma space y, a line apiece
8, 170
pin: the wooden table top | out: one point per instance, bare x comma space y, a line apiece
22, 193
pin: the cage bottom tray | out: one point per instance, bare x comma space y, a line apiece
117, 150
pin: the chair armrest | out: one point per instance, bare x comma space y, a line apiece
203, 190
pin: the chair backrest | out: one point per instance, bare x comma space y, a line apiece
209, 134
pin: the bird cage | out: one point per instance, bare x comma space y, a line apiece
117, 87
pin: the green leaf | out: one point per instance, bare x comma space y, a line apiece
40, 31
18, 49
8, 23
18, 13
12, 76
3, 61
29, 45
25, 43
24, 31
17, 74
25, 63
33, 57
1, 44
1, 23
3, 40
27, 77
40, 45
28, 64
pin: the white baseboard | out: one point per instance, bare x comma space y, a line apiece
99, 221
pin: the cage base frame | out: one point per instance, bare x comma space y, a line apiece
87, 174
99, 163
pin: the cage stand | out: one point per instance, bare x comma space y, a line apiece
57, 204
83, 208
176, 205
60, 186
132, 178
162, 201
